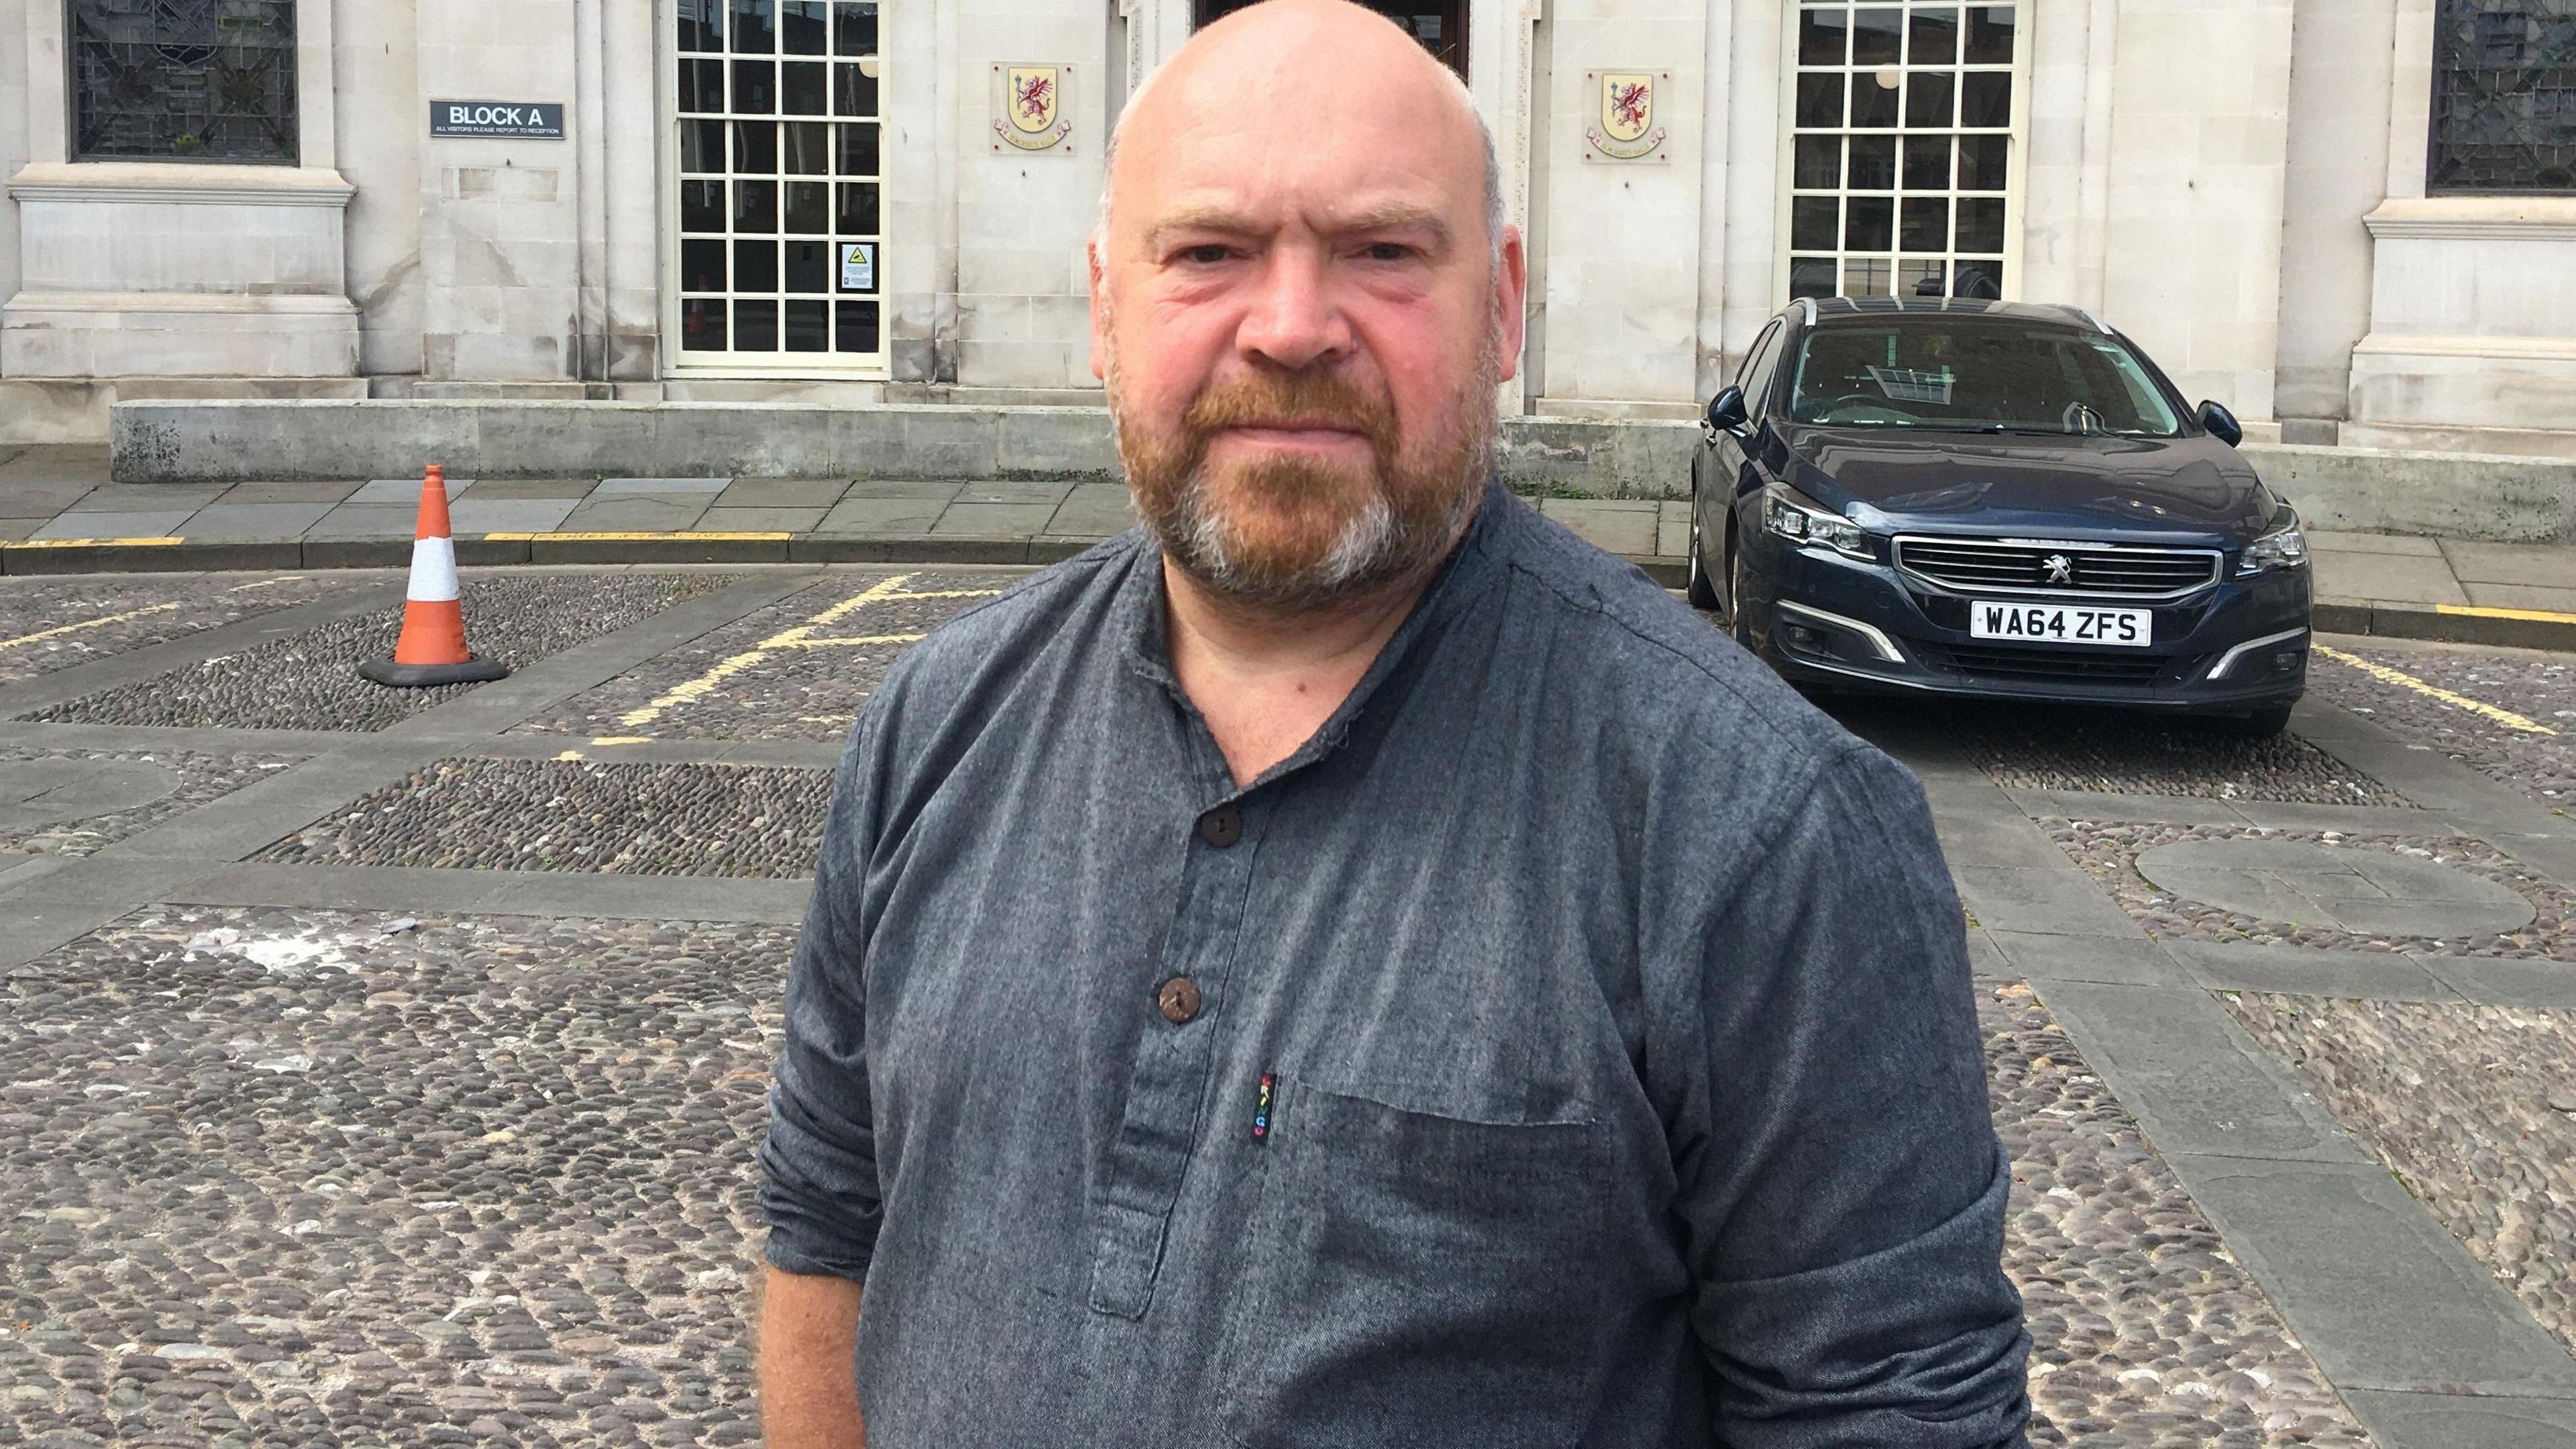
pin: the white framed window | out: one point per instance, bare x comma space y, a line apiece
773, 263
1901, 161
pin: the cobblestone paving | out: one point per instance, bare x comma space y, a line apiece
2131, 754
2109, 853
50, 624
806, 684
310, 681
2541, 688
2456, 1100
201, 778
710, 820
2146, 1331
276, 1178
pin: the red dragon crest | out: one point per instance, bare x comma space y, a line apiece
1628, 103
1033, 95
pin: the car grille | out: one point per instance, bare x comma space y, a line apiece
2083, 665
2092, 570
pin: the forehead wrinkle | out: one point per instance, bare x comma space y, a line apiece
1239, 220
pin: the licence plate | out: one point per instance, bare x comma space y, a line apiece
2061, 624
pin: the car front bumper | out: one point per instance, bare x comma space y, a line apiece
1823, 618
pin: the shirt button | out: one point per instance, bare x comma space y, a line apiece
1222, 826
1179, 999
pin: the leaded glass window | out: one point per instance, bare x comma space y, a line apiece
780, 151
2504, 96
183, 80
1901, 119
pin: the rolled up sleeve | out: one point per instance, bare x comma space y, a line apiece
1840, 1177
819, 1191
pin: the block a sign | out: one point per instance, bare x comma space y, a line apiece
527, 120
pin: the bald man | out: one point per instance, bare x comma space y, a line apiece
1348, 965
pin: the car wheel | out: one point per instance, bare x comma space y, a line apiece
1702, 594
2262, 724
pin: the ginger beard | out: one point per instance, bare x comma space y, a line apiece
1296, 533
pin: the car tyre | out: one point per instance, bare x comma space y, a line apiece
2262, 724
1701, 593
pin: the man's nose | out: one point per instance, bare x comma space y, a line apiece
1294, 320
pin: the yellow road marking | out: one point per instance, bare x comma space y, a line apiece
265, 584
2467, 611
637, 537
57, 633
97, 543
2402, 680
569, 755
799, 637
622, 740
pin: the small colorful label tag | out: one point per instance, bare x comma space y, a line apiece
1261, 1108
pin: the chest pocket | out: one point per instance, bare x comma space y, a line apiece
1415, 1279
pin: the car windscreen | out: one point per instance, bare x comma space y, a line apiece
1976, 373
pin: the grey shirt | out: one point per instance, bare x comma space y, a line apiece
1571, 1044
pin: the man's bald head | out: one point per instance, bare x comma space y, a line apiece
1320, 33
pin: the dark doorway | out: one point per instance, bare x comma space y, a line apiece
1441, 25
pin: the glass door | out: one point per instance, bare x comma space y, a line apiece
777, 264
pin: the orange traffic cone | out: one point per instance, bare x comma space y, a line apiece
432, 648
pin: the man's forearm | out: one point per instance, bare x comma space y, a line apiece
809, 1398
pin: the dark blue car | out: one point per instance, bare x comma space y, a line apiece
1993, 499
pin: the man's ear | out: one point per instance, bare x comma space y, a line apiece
1099, 308
1511, 299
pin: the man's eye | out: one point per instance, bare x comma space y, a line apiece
1207, 255
1388, 251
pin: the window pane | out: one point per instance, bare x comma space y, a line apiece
755, 87
1873, 163
1927, 100
1927, 224
1812, 222
808, 326
1878, 37
1935, 38
755, 147
213, 80
801, 88
809, 148
702, 325
755, 326
858, 209
1980, 281
1981, 224
702, 206
702, 266
1927, 163
1873, 97
853, 94
1870, 224
754, 27
857, 326
702, 28
854, 28
809, 266
755, 266
1981, 162
1990, 34
1819, 164
1865, 276
808, 207
702, 146
1811, 277
1985, 98
755, 207
1824, 37
2504, 97
858, 148
1820, 101
702, 85
1920, 279
804, 26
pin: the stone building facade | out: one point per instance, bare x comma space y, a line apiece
2349, 219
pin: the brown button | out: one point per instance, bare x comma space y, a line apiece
1222, 826
1179, 999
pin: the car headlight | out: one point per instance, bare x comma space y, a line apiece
1805, 523
2282, 548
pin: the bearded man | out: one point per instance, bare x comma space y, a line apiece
1348, 964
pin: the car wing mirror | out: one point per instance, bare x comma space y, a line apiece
1726, 412
2221, 424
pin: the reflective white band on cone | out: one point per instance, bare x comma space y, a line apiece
433, 570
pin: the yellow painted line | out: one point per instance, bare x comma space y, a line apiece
56, 633
265, 584
98, 543
622, 740
2541, 615
837, 643
569, 755
2402, 680
637, 537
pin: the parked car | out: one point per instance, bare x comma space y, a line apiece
1993, 499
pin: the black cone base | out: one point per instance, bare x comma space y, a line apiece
422, 676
